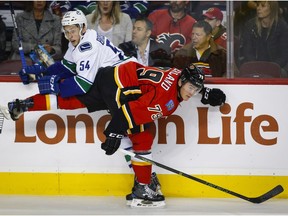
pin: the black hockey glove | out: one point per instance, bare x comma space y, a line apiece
213, 97
112, 143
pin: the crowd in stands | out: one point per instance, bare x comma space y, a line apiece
161, 33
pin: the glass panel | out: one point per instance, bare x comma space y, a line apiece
253, 48
7, 66
260, 38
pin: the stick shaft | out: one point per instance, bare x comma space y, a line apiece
20, 45
278, 189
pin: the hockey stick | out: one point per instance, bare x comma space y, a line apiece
21, 52
268, 195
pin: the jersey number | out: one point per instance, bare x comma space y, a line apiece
152, 75
84, 65
158, 111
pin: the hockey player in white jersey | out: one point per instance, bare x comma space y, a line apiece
75, 74
87, 52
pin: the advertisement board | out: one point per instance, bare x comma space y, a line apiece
247, 136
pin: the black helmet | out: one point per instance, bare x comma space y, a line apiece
193, 75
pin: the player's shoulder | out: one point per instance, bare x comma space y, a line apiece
84, 49
88, 42
89, 35
93, 36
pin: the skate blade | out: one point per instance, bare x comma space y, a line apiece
5, 112
128, 203
140, 203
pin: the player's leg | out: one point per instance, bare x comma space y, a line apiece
142, 194
39, 102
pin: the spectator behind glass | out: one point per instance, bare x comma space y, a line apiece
202, 52
59, 8
214, 17
243, 11
108, 20
147, 51
172, 26
37, 25
265, 36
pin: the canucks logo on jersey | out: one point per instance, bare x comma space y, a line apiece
85, 46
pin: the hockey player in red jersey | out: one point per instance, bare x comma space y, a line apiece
136, 95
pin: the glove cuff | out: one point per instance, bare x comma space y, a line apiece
205, 95
114, 135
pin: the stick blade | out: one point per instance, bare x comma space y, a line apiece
1, 121
270, 194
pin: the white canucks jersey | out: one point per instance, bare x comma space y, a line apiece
84, 60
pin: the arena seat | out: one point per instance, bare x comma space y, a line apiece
260, 69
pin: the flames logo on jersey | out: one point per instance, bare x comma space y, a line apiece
175, 41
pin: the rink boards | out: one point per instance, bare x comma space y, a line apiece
242, 146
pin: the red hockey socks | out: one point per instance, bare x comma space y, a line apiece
142, 171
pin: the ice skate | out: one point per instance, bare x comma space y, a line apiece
154, 185
18, 107
5, 112
144, 196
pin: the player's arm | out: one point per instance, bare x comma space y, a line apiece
63, 69
72, 86
89, 60
63, 78
124, 119
133, 113
72, 78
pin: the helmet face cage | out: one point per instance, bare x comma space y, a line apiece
193, 75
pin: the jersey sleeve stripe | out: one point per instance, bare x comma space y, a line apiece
116, 78
127, 116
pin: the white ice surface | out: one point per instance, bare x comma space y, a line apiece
83, 205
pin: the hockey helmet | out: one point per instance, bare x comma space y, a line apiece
74, 18
193, 75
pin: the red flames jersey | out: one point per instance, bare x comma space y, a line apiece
222, 40
159, 94
167, 31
